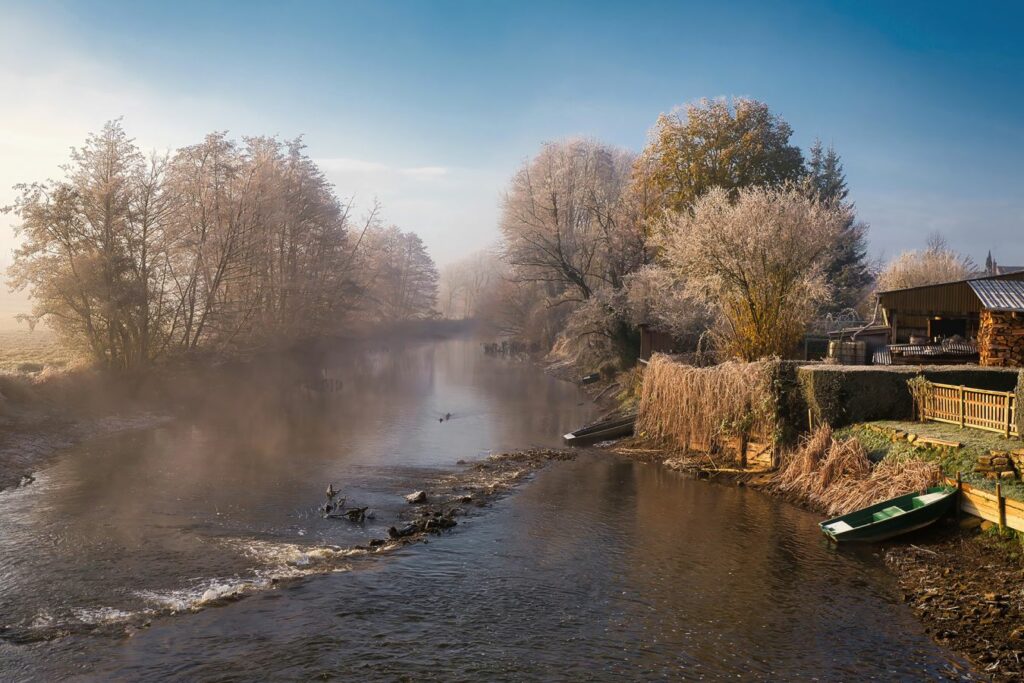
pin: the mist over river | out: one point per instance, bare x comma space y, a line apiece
596, 568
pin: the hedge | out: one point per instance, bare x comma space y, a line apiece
845, 394
788, 400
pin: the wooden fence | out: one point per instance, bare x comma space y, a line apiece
993, 411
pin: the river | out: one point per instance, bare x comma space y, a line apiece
596, 568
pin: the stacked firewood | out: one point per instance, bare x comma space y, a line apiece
1001, 339
1000, 464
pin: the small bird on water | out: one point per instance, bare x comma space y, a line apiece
331, 493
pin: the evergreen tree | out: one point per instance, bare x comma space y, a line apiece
848, 271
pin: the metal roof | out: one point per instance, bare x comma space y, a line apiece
1000, 295
959, 297
1011, 275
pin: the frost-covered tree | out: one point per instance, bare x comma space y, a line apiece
563, 221
224, 246
569, 235
713, 143
757, 261
93, 250
936, 263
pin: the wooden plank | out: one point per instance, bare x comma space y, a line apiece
987, 506
955, 387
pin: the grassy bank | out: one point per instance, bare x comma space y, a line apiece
974, 443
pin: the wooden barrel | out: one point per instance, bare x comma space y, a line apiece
848, 352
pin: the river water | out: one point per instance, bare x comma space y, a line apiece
115, 563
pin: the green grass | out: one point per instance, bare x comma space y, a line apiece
974, 443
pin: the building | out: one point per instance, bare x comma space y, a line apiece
978, 319
653, 341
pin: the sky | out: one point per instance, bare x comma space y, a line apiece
429, 107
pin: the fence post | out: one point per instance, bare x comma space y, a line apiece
1006, 405
959, 495
963, 407
1002, 506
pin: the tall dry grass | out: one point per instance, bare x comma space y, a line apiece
837, 477
699, 407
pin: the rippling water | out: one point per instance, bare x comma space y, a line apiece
598, 568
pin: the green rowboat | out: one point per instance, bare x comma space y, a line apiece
892, 517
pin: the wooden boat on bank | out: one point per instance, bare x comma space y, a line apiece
601, 431
893, 517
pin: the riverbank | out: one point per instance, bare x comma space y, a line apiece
965, 586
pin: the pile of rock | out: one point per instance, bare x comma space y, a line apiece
1001, 464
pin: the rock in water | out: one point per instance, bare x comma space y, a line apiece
417, 497
407, 530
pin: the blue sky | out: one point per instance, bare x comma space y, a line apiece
430, 106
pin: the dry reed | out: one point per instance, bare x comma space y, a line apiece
837, 476
797, 471
888, 479
700, 408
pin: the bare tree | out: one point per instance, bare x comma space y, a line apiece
936, 263
563, 220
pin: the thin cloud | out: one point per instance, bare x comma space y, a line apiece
425, 171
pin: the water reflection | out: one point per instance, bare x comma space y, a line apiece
116, 522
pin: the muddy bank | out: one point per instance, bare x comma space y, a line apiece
965, 585
27, 448
40, 417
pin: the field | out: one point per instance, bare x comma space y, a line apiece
29, 353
